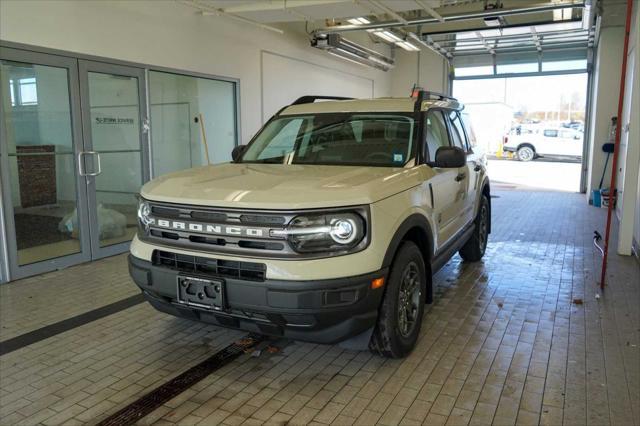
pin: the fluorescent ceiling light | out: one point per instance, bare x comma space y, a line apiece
341, 56
384, 36
392, 35
348, 50
358, 21
408, 46
388, 36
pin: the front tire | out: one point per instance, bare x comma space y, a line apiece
526, 153
400, 316
474, 249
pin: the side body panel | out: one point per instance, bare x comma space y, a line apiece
448, 204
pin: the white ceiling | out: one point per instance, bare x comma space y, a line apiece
528, 32
273, 11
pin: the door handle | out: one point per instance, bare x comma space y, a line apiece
81, 170
460, 177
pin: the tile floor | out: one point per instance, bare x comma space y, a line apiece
502, 344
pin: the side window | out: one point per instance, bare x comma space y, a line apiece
471, 136
457, 133
550, 133
436, 133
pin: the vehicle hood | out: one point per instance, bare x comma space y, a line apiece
278, 186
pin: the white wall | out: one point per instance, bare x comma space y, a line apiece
606, 89
425, 68
304, 79
165, 33
629, 204
604, 106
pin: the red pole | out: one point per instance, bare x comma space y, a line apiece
612, 186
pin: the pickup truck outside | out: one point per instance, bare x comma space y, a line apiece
327, 226
558, 142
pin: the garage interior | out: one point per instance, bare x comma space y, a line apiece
526, 336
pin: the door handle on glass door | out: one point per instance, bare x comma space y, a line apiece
81, 170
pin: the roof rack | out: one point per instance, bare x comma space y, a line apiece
437, 95
312, 99
423, 95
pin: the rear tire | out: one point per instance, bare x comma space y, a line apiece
474, 249
400, 315
526, 153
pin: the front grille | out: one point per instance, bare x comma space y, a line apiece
226, 231
213, 267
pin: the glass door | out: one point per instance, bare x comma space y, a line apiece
114, 162
44, 201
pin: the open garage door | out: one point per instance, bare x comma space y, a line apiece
525, 88
531, 127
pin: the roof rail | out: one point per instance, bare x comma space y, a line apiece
312, 99
423, 95
437, 95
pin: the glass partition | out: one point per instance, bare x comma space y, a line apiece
177, 102
41, 167
115, 135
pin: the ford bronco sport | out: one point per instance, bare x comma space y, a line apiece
327, 226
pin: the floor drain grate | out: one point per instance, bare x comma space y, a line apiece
154, 399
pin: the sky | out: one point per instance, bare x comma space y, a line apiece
538, 93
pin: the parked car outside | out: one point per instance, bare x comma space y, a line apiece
560, 142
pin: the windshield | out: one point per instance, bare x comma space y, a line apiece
384, 139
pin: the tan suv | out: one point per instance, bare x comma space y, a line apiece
327, 226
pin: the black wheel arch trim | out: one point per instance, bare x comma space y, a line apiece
415, 220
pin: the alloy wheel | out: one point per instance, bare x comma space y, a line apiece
409, 299
483, 227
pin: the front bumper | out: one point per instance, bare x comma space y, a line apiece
320, 311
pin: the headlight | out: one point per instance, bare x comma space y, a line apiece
144, 215
324, 232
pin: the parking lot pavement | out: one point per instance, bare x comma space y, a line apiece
519, 337
539, 174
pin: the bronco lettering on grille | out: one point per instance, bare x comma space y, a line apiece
207, 228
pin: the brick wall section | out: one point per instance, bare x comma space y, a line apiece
37, 175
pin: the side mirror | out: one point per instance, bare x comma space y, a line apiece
237, 152
449, 157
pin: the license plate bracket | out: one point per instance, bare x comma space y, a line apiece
201, 292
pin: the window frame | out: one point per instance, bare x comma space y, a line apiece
465, 140
15, 91
425, 149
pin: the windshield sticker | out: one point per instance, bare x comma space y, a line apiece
398, 158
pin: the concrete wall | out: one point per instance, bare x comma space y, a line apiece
165, 33
425, 68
